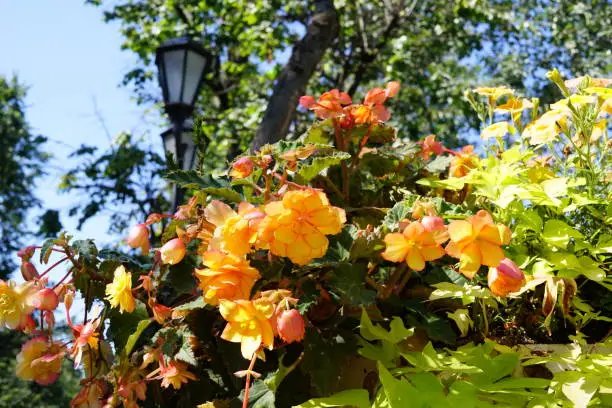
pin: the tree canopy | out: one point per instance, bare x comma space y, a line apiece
22, 162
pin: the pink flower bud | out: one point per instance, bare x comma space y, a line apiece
68, 298
28, 271
45, 299
173, 251
241, 168
432, 223
26, 253
392, 89
307, 101
138, 237
505, 278
290, 326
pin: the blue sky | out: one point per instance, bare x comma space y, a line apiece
69, 58
72, 63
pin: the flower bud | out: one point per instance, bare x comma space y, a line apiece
153, 218
138, 237
28, 271
290, 326
45, 299
26, 253
505, 278
68, 300
265, 161
432, 223
242, 167
173, 251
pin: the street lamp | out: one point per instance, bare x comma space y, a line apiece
181, 65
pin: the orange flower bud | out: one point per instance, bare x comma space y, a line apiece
505, 278
28, 271
242, 167
173, 251
138, 237
45, 299
290, 325
432, 223
68, 300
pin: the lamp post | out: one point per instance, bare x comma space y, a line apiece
181, 65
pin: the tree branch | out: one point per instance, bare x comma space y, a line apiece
292, 81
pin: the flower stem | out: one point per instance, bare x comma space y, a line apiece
247, 386
52, 266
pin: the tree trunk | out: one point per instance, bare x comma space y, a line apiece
292, 81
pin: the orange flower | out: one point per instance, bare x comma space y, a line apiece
372, 109
173, 374
40, 361
16, 303
90, 396
414, 245
476, 241
505, 278
463, 162
329, 104
429, 146
85, 335
248, 324
241, 168
226, 277
296, 227
235, 232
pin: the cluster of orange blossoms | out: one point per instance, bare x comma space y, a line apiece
475, 241
335, 103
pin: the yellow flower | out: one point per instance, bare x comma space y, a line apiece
576, 100
476, 241
415, 245
235, 232
39, 361
494, 92
496, 130
514, 105
540, 133
226, 277
16, 303
248, 324
606, 107
296, 227
119, 292
599, 129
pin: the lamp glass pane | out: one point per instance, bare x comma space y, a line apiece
195, 68
173, 70
189, 151
170, 143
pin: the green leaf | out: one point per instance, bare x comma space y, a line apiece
448, 184
189, 179
396, 333
260, 396
123, 325
400, 393
579, 388
557, 233
353, 398
399, 212
339, 248
439, 164
133, 338
348, 280
86, 249
185, 352
223, 192
382, 134
46, 250
307, 172
309, 297
199, 303
462, 319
